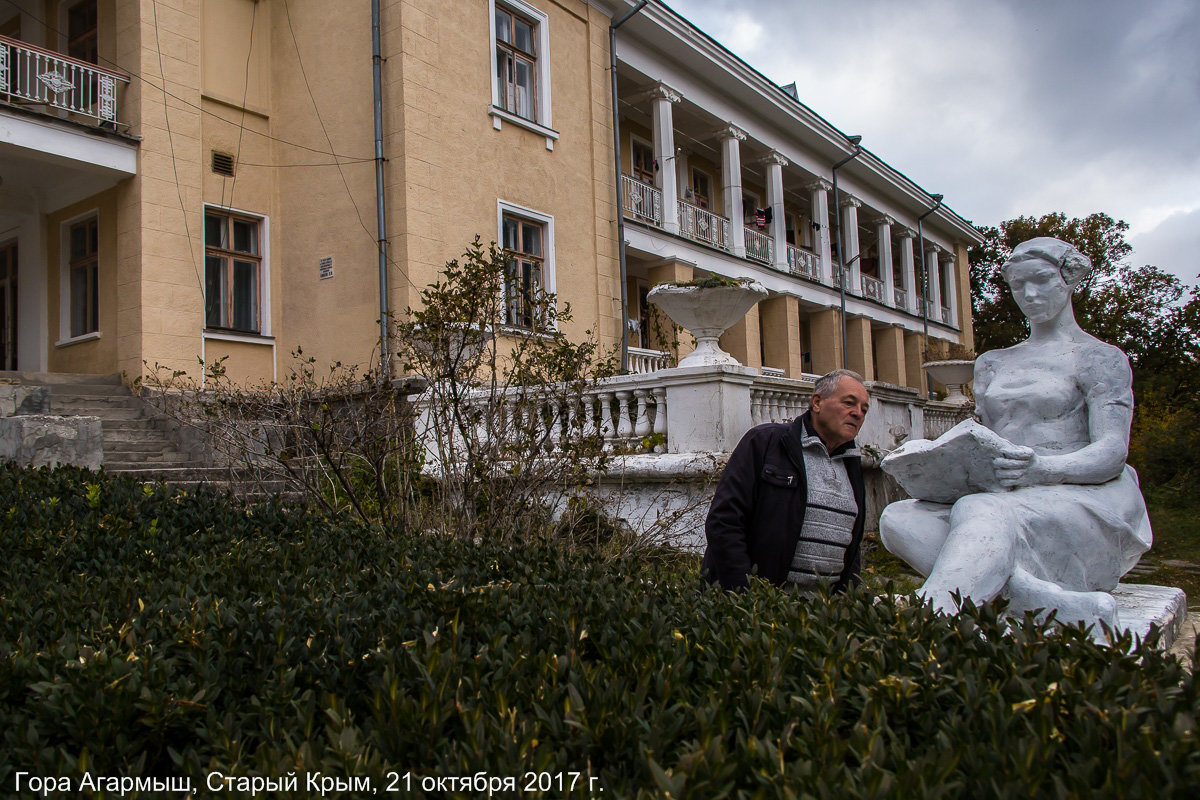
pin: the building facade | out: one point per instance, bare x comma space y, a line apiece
196, 179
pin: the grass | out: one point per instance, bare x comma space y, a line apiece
1174, 560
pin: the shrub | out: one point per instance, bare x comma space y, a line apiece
149, 633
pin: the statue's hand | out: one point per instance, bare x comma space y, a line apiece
1019, 466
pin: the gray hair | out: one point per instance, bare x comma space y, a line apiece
827, 384
1073, 265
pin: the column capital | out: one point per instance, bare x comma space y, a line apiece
907, 233
932, 249
885, 220
660, 91
730, 131
774, 157
850, 201
819, 185
947, 257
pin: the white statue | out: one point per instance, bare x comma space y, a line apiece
1063, 518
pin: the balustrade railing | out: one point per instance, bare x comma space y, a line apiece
703, 226
641, 201
759, 246
872, 288
803, 262
642, 361
629, 413
920, 306
938, 420
30, 74
775, 399
901, 296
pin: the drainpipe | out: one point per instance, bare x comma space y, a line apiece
937, 203
612, 68
837, 221
385, 361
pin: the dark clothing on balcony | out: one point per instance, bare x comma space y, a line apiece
757, 513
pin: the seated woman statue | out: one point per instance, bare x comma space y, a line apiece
1071, 519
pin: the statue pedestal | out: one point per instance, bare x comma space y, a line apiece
1139, 606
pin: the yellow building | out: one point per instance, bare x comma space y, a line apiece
187, 179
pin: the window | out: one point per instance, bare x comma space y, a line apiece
523, 286
81, 32
701, 188
83, 269
520, 53
232, 272
643, 160
516, 64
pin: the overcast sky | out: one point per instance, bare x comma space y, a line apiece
1007, 108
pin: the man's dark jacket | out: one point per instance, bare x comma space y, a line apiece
758, 509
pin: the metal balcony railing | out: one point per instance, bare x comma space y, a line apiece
803, 262
759, 246
901, 296
703, 226
872, 288
641, 201
33, 75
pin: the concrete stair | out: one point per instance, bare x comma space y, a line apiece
137, 440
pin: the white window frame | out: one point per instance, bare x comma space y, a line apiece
549, 272
545, 118
64, 280
264, 277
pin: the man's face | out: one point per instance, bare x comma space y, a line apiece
838, 417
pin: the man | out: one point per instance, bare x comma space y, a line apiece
790, 504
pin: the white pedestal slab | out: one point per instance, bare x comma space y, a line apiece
1139, 606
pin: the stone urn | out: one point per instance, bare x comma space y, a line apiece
707, 311
953, 374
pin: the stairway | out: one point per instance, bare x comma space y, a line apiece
138, 441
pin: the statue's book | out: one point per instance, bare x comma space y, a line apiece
957, 463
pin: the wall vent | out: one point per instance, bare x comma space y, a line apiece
222, 163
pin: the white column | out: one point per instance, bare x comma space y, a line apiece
775, 164
662, 97
883, 227
850, 207
908, 270
820, 215
948, 280
934, 297
731, 182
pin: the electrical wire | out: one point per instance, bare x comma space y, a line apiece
183, 101
174, 161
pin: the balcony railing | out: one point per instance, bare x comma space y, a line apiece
803, 262
901, 296
920, 309
703, 226
641, 201
759, 246
32, 75
872, 288
642, 361
945, 315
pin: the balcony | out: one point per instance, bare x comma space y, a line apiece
901, 296
703, 226
804, 262
641, 201
759, 247
872, 288
32, 76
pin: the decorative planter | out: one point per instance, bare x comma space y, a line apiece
953, 374
707, 311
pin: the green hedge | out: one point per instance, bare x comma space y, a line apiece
149, 633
